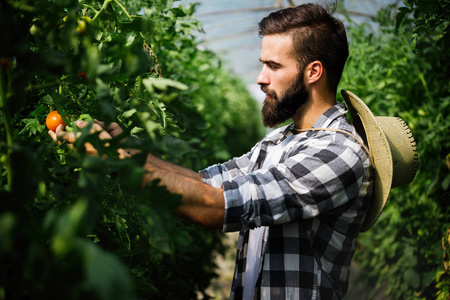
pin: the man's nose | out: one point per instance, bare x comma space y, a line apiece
262, 78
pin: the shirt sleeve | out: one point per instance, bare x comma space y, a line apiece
314, 179
217, 174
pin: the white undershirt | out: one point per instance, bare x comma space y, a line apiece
256, 235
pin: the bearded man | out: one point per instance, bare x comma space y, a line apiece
300, 196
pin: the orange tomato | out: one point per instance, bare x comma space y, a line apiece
53, 120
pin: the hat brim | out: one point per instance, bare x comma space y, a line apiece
380, 154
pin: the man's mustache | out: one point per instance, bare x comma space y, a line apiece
266, 90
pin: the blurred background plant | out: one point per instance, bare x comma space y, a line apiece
402, 69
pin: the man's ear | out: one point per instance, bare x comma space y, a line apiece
314, 71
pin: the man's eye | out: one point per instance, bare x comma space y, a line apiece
273, 67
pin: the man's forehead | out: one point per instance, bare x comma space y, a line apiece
276, 47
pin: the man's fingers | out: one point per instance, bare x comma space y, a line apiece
123, 153
102, 124
95, 126
113, 128
68, 137
82, 124
53, 135
90, 149
103, 135
62, 135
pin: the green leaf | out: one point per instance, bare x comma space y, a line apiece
67, 227
402, 12
106, 276
129, 113
162, 84
32, 126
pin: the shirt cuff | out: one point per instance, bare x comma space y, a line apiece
238, 211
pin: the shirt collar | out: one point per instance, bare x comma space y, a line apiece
323, 121
330, 115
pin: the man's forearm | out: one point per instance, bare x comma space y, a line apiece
165, 165
161, 164
202, 203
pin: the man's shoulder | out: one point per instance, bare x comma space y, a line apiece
275, 134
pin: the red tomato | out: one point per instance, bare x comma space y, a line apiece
53, 120
82, 75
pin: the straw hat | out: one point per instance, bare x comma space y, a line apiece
393, 152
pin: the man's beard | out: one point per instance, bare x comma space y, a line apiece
277, 110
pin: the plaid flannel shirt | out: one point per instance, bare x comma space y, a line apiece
312, 205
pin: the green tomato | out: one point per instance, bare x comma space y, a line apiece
35, 30
81, 26
72, 127
86, 117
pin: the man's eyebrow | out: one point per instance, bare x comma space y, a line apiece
270, 62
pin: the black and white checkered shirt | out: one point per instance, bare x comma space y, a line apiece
312, 204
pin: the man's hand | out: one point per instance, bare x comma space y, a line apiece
113, 128
69, 137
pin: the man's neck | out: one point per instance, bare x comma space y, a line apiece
311, 110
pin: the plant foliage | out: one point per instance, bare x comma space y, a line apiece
403, 250
75, 226
431, 16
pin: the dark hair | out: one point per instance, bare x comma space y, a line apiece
316, 34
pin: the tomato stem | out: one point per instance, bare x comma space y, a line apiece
41, 86
124, 9
104, 6
89, 6
5, 84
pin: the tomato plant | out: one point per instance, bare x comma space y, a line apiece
79, 226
